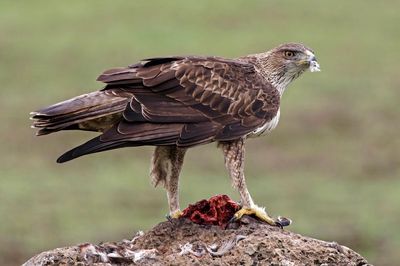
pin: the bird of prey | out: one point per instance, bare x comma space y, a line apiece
178, 102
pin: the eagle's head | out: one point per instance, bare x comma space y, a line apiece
286, 62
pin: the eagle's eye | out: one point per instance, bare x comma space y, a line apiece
289, 54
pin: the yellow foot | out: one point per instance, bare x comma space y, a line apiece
262, 215
175, 214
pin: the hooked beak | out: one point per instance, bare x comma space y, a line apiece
312, 62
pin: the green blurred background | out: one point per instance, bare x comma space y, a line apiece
332, 165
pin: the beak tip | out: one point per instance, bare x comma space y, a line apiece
314, 66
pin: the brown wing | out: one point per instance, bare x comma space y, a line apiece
185, 101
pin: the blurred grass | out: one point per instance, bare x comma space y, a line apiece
332, 165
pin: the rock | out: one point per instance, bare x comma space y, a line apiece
182, 242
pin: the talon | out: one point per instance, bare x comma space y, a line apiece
233, 219
283, 221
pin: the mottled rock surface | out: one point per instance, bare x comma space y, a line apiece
182, 242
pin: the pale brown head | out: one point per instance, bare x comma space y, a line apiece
286, 62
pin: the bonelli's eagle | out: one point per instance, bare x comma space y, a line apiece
174, 103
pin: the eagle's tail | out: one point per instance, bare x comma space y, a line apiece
74, 113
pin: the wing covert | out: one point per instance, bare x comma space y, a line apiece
222, 99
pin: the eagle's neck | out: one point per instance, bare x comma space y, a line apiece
278, 81
278, 76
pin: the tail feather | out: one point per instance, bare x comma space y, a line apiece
63, 121
43, 118
74, 105
68, 114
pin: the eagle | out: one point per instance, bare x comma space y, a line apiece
178, 102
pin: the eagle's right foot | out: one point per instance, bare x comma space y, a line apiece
261, 214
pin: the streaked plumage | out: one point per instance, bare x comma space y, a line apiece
179, 102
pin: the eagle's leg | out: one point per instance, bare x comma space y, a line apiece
166, 166
234, 162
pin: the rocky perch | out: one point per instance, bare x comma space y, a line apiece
183, 242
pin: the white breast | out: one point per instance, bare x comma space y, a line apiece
267, 127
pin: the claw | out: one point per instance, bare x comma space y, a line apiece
233, 219
283, 221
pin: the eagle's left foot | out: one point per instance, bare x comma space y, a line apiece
174, 215
260, 213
